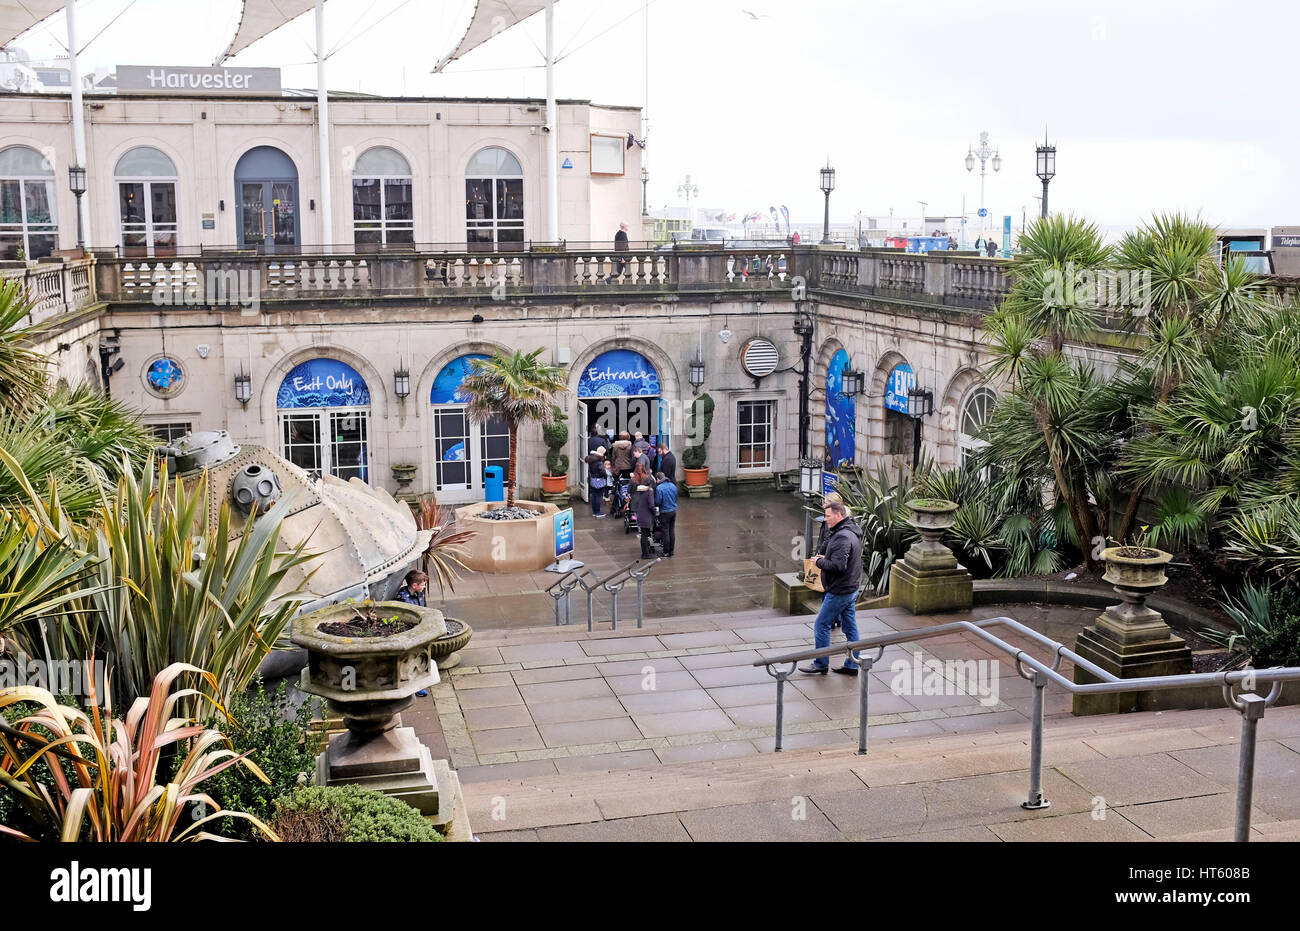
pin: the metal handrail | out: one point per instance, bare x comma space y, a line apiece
1249, 704
599, 583
562, 588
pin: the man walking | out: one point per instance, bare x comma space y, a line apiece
840, 560
666, 499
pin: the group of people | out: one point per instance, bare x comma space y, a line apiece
650, 470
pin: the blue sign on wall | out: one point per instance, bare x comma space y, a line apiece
165, 375
564, 532
829, 481
841, 418
619, 373
446, 387
1006, 235
901, 380
322, 383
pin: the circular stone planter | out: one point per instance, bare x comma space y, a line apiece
1125, 568
932, 516
446, 649
369, 679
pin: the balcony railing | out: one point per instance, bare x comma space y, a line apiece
55, 288
215, 277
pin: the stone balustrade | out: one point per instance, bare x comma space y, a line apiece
55, 288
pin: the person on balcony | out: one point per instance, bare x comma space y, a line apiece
992, 247
620, 245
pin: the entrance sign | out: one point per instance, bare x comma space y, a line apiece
322, 383
618, 373
564, 543
171, 79
446, 387
901, 380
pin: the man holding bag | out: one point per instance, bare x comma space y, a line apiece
839, 557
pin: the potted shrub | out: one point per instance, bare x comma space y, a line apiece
1136, 566
693, 457
555, 480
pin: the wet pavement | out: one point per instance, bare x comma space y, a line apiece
728, 548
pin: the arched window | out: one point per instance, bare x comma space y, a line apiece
494, 200
146, 197
324, 408
382, 209
29, 226
974, 414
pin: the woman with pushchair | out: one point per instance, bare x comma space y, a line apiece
643, 505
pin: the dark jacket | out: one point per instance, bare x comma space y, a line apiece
620, 241
405, 594
595, 442
841, 562
666, 497
643, 503
621, 456
668, 466
596, 468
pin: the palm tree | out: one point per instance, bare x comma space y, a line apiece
517, 387
22, 368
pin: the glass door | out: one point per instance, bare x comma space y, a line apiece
348, 445
462, 449
284, 215
580, 453
269, 215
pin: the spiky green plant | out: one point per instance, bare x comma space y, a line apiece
23, 370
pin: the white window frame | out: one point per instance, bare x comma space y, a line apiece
325, 445
770, 443
148, 227
496, 224
475, 437
966, 443
383, 224
25, 228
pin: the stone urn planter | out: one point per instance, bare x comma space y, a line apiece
368, 674
404, 474
1138, 568
446, 649
932, 516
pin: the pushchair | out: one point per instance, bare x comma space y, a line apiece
623, 503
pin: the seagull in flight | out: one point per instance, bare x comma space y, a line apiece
754, 16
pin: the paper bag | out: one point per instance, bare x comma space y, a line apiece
812, 575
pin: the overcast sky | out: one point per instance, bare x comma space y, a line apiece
1154, 105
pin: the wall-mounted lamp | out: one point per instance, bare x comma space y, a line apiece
697, 375
221, 205
311, 205
243, 388
920, 404
852, 383
402, 383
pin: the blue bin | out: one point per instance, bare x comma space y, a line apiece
494, 484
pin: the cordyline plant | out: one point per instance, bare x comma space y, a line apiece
168, 584
442, 557
103, 771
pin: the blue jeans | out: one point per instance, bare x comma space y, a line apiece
843, 609
597, 496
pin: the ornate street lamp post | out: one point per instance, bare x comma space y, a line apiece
984, 154
688, 190
828, 185
920, 404
645, 180
77, 182
1046, 168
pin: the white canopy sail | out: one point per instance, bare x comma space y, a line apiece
17, 16
260, 18
491, 17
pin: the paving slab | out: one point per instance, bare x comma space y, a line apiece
636, 667
482, 719
1277, 774
760, 822
1138, 779
652, 829
713, 750
795, 712
682, 722
720, 658
499, 771
671, 681
577, 709
506, 739
1072, 828
663, 702
586, 732
723, 676
490, 697
554, 674
1181, 816
570, 690
601, 762
483, 680
539, 651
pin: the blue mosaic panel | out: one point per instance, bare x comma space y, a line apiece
165, 375
841, 416
446, 387
619, 373
322, 383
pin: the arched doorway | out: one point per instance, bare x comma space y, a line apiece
462, 448
266, 190
146, 198
324, 415
619, 391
